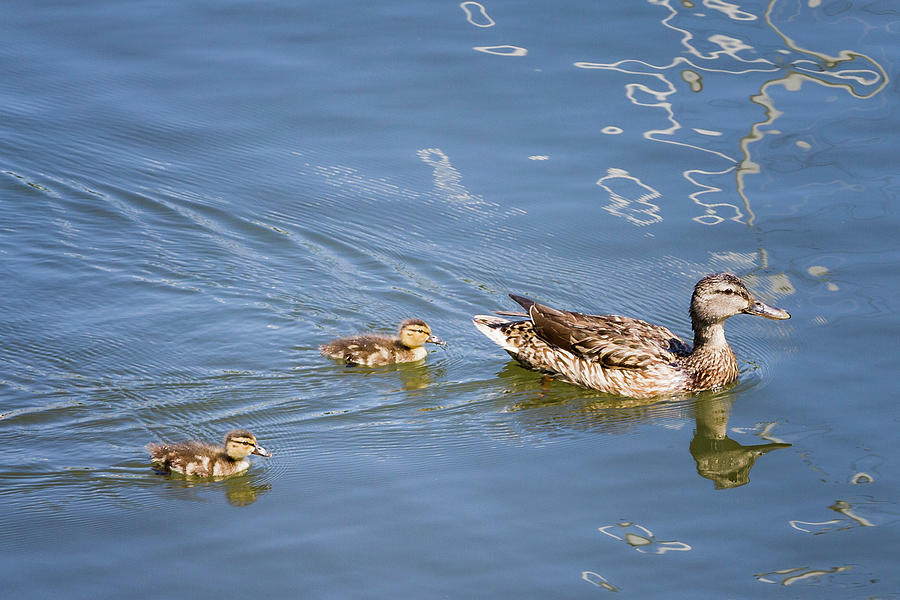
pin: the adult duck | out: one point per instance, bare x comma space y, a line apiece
626, 356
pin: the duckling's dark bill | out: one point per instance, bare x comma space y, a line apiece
259, 450
436, 340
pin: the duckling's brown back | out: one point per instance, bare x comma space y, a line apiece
369, 350
190, 458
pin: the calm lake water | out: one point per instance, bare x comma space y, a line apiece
195, 195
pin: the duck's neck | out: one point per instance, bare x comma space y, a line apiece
234, 457
712, 361
709, 335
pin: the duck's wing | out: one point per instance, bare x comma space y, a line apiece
611, 340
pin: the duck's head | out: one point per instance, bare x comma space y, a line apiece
722, 295
414, 333
240, 443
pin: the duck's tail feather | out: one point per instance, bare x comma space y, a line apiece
526, 303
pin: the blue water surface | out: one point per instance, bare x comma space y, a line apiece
195, 195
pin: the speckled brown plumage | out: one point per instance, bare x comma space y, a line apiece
626, 356
202, 459
375, 350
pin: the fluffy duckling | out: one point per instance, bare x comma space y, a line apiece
375, 350
208, 460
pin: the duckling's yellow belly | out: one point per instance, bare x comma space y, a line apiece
205, 466
389, 356
222, 469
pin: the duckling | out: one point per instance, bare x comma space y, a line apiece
629, 357
375, 350
208, 460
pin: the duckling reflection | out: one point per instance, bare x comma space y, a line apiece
202, 459
720, 459
239, 491
413, 378
372, 350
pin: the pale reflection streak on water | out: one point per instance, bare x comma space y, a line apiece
638, 205
795, 575
793, 66
642, 539
630, 198
476, 14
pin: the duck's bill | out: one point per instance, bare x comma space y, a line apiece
762, 309
261, 451
435, 340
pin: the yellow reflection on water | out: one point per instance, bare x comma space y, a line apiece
239, 490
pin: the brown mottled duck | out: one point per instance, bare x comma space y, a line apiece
630, 357
202, 459
372, 350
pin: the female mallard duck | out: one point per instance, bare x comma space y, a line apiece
376, 350
208, 460
629, 357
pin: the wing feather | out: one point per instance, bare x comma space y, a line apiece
611, 340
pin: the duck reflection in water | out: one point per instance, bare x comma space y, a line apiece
556, 406
720, 459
